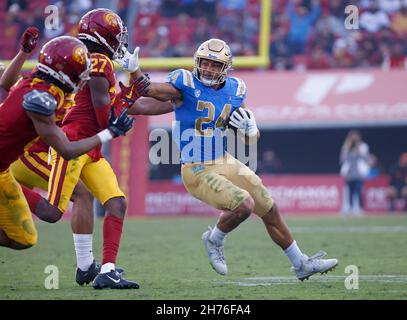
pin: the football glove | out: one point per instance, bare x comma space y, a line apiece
118, 126
29, 39
128, 95
243, 119
129, 62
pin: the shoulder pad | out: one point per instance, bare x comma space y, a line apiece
101, 65
41, 102
181, 78
240, 88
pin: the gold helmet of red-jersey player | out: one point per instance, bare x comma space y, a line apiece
67, 60
105, 28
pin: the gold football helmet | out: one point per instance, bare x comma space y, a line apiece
215, 50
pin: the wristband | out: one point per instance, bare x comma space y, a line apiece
105, 135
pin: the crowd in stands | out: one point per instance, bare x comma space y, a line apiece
311, 34
306, 34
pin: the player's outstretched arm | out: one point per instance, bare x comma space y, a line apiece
40, 107
150, 107
163, 92
159, 91
12, 72
54, 136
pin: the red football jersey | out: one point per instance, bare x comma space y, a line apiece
80, 121
16, 128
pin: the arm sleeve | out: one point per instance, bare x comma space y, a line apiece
40, 102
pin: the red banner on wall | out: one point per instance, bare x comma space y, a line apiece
306, 194
374, 194
293, 194
320, 99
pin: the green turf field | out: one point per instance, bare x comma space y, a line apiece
167, 258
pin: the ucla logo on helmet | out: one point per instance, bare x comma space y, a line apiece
197, 93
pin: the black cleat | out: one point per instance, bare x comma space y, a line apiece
87, 276
113, 280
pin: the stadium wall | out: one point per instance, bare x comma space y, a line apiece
280, 100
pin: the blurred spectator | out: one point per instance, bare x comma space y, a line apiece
305, 33
394, 57
355, 168
398, 183
368, 53
301, 19
169, 8
21, 4
328, 22
80, 6
269, 163
160, 44
319, 59
343, 53
202, 32
237, 5
279, 51
208, 9
390, 6
337, 8
375, 167
399, 21
374, 19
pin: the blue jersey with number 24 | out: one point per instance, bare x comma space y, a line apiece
200, 119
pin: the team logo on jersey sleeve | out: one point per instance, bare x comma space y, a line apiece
79, 55
197, 93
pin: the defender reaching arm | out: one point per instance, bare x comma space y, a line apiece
11, 74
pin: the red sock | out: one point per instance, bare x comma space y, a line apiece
32, 198
112, 232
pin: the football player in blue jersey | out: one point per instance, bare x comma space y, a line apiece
204, 101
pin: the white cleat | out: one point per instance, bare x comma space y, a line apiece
314, 264
215, 254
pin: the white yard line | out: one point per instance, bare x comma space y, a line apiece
270, 281
351, 229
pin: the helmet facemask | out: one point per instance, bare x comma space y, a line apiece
217, 78
83, 77
123, 39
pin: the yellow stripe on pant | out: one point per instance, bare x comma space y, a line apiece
32, 170
98, 177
